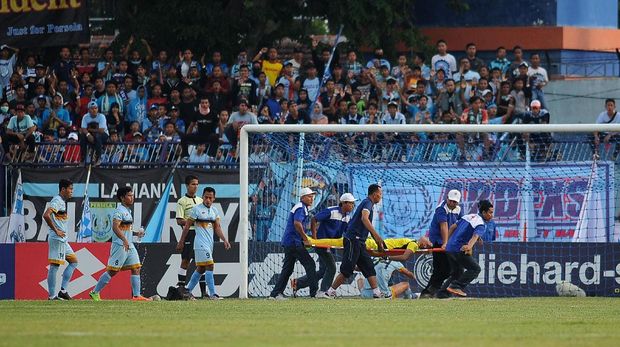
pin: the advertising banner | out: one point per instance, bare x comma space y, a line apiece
7, 271
33, 23
41, 185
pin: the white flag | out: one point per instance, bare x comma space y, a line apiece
591, 226
15, 232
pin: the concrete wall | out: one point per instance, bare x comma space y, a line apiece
580, 101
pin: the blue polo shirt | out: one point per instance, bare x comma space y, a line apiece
356, 229
443, 215
333, 223
466, 227
299, 213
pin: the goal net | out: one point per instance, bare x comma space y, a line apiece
553, 191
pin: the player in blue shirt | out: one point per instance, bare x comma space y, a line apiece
206, 220
446, 214
463, 235
123, 254
327, 224
59, 249
294, 249
384, 269
354, 244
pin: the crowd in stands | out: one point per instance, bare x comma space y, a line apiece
127, 97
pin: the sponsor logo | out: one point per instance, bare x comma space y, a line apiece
423, 269
2, 278
88, 265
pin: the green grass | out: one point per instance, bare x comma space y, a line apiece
303, 322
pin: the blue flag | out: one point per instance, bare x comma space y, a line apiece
15, 232
158, 218
85, 233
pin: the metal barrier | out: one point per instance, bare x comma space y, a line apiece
142, 155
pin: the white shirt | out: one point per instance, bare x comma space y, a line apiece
604, 118
445, 62
540, 73
399, 118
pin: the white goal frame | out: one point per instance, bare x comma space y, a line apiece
244, 221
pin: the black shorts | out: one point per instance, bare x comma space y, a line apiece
355, 254
188, 247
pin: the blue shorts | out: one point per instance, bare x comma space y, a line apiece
59, 251
123, 260
203, 256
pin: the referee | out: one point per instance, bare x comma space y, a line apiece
446, 214
184, 207
354, 239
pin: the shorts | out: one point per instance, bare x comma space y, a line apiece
355, 254
188, 246
203, 256
59, 251
123, 260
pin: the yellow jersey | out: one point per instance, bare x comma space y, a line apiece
185, 205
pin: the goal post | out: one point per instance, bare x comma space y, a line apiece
503, 147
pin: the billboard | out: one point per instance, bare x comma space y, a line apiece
33, 23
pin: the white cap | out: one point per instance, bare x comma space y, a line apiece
535, 103
454, 195
73, 136
347, 197
306, 191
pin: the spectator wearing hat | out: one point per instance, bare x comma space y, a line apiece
151, 125
20, 131
173, 117
94, 131
56, 116
287, 80
393, 116
539, 142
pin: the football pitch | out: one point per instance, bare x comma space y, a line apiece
319, 322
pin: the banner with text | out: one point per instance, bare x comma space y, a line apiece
32, 23
41, 185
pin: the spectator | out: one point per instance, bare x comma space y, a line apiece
474, 114
264, 116
199, 156
609, 116
270, 66
506, 103
136, 111
352, 66
170, 132
517, 53
218, 98
244, 87
538, 79
72, 152
188, 108
297, 61
273, 103
242, 59
466, 79
303, 102
114, 118
65, 68
218, 76
62, 134
296, 116
263, 89
287, 80
204, 122
127, 92
539, 142
393, 116
56, 116
107, 66
311, 83
221, 127
422, 114
19, 97
100, 88
110, 96
186, 61
156, 97
20, 132
217, 61
500, 61
443, 60
378, 60
399, 71
171, 81
328, 98
150, 125
317, 116
84, 65
134, 127
321, 61
520, 99
173, 117
161, 65
449, 100
475, 63
8, 60
352, 117
94, 130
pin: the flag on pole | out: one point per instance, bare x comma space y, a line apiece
15, 232
158, 218
85, 233
591, 225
